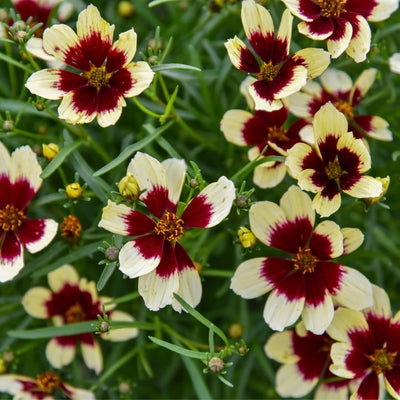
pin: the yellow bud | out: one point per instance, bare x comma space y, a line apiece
235, 330
125, 9
74, 191
50, 151
385, 185
129, 188
246, 238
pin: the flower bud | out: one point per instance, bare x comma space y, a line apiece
50, 151
242, 201
194, 183
74, 191
125, 9
385, 186
112, 253
235, 330
129, 188
103, 327
246, 238
8, 125
216, 364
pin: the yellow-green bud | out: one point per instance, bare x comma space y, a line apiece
216, 364
385, 186
50, 151
129, 188
126, 9
246, 238
74, 191
235, 330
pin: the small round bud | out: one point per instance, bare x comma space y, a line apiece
8, 357
235, 330
37, 149
42, 129
74, 191
242, 201
385, 186
216, 364
152, 44
19, 25
125, 9
152, 60
112, 253
194, 183
129, 188
246, 238
8, 125
242, 350
50, 151
40, 106
184, 5
103, 327
124, 387
19, 35
215, 5
3, 15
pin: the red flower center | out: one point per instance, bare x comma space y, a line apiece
170, 226
48, 381
305, 261
75, 314
97, 77
277, 133
268, 72
11, 218
333, 170
332, 8
382, 360
346, 109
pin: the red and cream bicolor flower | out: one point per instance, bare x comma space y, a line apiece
337, 87
307, 283
107, 73
155, 254
306, 358
343, 23
279, 75
337, 163
71, 299
261, 129
19, 182
368, 348
47, 386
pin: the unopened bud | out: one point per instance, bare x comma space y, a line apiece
40, 106
103, 327
194, 183
74, 191
124, 387
129, 188
50, 151
3, 15
385, 186
125, 9
8, 125
242, 201
152, 60
152, 44
8, 357
216, 364
112, 253
235, 330
19, 25
246, 238
19, 35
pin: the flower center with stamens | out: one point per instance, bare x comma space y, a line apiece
277, 133
346, 109
75, 314
382, 360
97, 77
332, 8
333, 170
48, 381
268, 72
305, 261
11, 218
170, 226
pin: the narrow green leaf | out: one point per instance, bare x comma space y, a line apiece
158, 2
201, 319
128, 151
169, 105
59, 158
10, 60
225, 381
164, 67
106, 275
211, 338
180, 350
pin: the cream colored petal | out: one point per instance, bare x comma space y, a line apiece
92, 356
306, 182
58, 40
365, 187
359, 45
329, 121
126, 44
394, 63
34, 302
142, 76
12, 383
290, 382
58, 355
262, 104
256, 19
295, 8
335, 81
248, 282
232, 124
234, 48
391, 390
190, 289
331, 231
316, 61
89, 286
61, 276
363, 83
298, 104
352, 239
67, 111
295, 157
379, 129
78, 394
337, 47
269, 177
317, 318
325, 206
244, 90
49, 232
113, 218
285, 29
5, 160
123, 334
339, 353
307, 134
279, 347
298, 80
383, 9
35, 46
381, 304
331, 392
297, 204
304, 29
176, 172
10, 268
111, 116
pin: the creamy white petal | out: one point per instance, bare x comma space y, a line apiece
331, 231
142, 76
317, 318
352, 239
367, 186
244, 90
339, 353
331, 392
59, 355
67, 111
263, 104
232, 124
92, 356
337, 47
335, 81
279, 347
290, 382
45, 84
295, 157
113, 218
175, 170
126, 44
256, 19
35, 46
394, 63
111, 116
299, 104
383, 9
58, 40
381, 304
58, 278
49, 232
34, 302
359, 45
363, 83
316, 61
190, 289
329, 121
120, 335
325, 206
10, 268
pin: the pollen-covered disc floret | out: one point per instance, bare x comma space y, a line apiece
304, 261
170, 227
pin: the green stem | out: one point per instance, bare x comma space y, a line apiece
144, 109
11, 70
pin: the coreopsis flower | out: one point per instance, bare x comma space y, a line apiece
336, 164
19, 182
307, 282
107, 73
155, 254
342, 23
368, 347
306, 358
394, 63
71, 299
261, 129
46, 386
337, 87
279, 75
